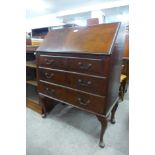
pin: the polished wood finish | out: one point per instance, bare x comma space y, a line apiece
74, 97
126, 45
74, 80
46, 105
31, 48
31, 64
32, 82
81, 67
91, 39
113, 121
34, 106
104, 123
75, 64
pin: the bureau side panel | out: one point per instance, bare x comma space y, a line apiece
114, 74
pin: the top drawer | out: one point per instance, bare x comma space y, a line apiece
80, 65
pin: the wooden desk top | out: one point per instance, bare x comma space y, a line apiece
97, 39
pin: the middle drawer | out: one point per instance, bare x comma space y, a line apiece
76, 81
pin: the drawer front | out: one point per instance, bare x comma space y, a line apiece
94, 67
85, 101
88, 66
52, 62
52, 76
89, 84
76, 81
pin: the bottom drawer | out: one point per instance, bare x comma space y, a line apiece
83, 100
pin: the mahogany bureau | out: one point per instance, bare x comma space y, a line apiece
81, 67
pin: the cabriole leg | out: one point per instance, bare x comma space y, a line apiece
104, 123
113, 121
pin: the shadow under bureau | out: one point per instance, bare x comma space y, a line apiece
81, 67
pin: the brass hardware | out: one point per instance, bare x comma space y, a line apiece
50, 90
82, 102
49, 62
84, 66
82, 83
48, 75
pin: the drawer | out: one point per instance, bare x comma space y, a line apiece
52, 62
89, 84
52, 76
83, 65
85, 101
94, 85
88, 66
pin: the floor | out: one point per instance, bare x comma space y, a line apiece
69, 131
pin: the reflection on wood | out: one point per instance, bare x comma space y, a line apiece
31, 64
32, 82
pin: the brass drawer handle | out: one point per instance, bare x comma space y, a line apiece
50, 90
48, 62
48, 75
84, 66
82, 102
82, 83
